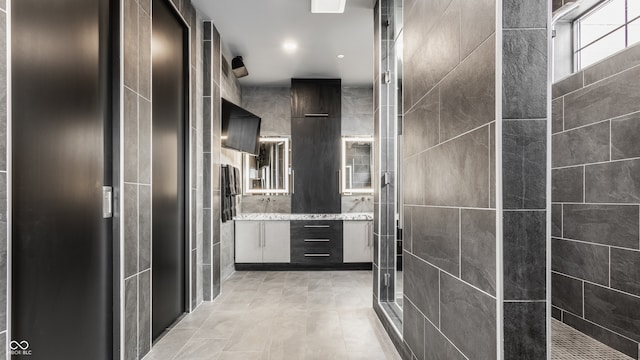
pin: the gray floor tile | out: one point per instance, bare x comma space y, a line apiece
285, 316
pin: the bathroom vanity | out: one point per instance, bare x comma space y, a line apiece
304, 241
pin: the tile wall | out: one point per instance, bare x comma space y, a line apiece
211, 146
525, 89
466, 125
596, 201
136, 187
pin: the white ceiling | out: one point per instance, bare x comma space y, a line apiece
256, 30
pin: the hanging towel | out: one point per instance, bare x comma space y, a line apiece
230, 177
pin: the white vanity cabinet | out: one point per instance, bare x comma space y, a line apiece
262, 242
357, 241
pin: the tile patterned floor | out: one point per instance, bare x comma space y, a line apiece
283, 315
569, 344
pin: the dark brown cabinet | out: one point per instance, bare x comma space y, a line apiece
315, 144
316, 97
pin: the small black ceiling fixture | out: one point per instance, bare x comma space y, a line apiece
237, 65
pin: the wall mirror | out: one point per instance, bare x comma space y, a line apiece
268, 172
357, 165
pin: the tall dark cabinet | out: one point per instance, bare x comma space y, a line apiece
315, 144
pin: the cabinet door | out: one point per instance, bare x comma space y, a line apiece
316, 160
248, 241
314, 97
276, 242
357, 241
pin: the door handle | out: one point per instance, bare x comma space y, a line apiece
317, 226
107, 202
293, 181
316, 240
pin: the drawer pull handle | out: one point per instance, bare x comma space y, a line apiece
316, 240
317, 255
317, 115
317, 226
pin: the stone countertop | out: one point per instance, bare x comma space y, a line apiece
287, 217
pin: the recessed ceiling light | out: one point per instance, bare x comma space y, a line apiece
327, 6
340, 56
290, 46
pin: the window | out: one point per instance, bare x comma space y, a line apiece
607, 29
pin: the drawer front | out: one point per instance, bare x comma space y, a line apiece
316, 242
317, 229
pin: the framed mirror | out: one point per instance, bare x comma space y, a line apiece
357, 165
268, 172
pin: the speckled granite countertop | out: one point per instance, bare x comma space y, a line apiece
286, 217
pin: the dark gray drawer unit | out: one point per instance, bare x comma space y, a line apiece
316, 242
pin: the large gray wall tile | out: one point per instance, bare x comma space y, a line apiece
437, 347
131, 46
478, 248
413, 329
131, 318
468, 93
625, 270
144, 315
418, 24
567, 184
130, 223
569, 84
144, 138
524, 73
130, 140
422, 124
525, 333
557, 115
524, 248
624, 137
616, 182
603, 335
566, 293
215, 272
614, 310
458, 171
612, 97
144, 51
604, 224
414, 170
207, 49
435, 237
556, 220
581, 146
524, 14
580, 260
273, 105
524, 158
621, 61
144, 227
478, 22
468, 318
421, 286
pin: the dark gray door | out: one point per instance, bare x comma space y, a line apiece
170, 79
62, 257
